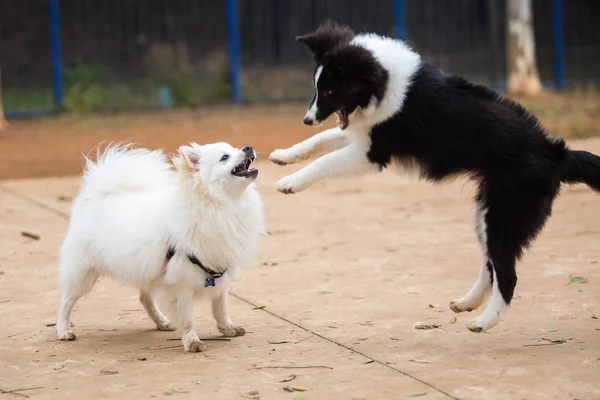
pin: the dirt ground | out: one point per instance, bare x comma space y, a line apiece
351, 266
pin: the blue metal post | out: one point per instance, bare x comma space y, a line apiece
234, 51
559, 57
399, 19
56, 53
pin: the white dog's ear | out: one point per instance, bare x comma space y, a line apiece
190, 156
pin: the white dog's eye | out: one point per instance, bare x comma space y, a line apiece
224, 158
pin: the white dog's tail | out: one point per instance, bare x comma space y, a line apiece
122, 169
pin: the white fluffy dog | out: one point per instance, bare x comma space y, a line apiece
183, 231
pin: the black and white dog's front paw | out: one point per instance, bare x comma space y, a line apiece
283, 157
290, 184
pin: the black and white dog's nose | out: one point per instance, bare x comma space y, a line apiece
308, 121
247, 149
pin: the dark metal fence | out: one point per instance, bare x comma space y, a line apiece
81, 55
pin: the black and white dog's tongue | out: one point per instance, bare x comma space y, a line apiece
342, 119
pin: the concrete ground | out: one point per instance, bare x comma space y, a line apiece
349, 269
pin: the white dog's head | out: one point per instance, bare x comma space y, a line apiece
217, 167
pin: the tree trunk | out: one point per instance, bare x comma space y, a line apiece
523, 75
3, 123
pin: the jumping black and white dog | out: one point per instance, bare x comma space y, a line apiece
395, 108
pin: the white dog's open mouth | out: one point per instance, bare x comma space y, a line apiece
243, 169
342, 118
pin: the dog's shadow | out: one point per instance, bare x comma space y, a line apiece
134, 340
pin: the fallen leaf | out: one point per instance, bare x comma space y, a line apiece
253, 393
334, 327
171, 392
259, 307
107, 329
432, 306
556, 341
595, 316
395, 338
453, 320
108, 372
50, 324
64, 198
142, 358
418, 394
419, 361
578, 279
61, 366
288, 379
277, 342
30, 235
298, 389
369, 362
552, 330
427, 326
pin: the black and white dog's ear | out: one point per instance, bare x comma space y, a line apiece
325, 38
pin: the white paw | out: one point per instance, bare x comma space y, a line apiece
67, 335
165, 326
195, 346
459, 305
290, 184
482, 324
282, 157
231, 331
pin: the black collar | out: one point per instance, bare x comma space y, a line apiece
212, 274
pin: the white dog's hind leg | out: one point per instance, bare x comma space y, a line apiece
323, 142
221, 315
147, 300
73, 287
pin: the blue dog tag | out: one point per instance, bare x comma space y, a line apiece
210, 281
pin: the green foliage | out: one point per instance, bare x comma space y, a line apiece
189, 90
85, 88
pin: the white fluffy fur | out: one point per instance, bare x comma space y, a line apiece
349, 147
133, 205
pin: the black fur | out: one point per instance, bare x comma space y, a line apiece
448, 127
351, 77
325, 38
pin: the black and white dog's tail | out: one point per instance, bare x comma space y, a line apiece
581, 167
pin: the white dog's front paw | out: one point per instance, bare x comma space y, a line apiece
283, 157
67, 335
231, 331
165, 326
290, 184
194, 346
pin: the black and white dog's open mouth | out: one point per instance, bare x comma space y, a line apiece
243, 169
342, 118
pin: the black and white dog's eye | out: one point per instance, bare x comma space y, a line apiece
329, 92
224, 158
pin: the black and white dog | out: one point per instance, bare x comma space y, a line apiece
395, 108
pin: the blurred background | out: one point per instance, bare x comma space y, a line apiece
93, 57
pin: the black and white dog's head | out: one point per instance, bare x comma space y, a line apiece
347, 76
